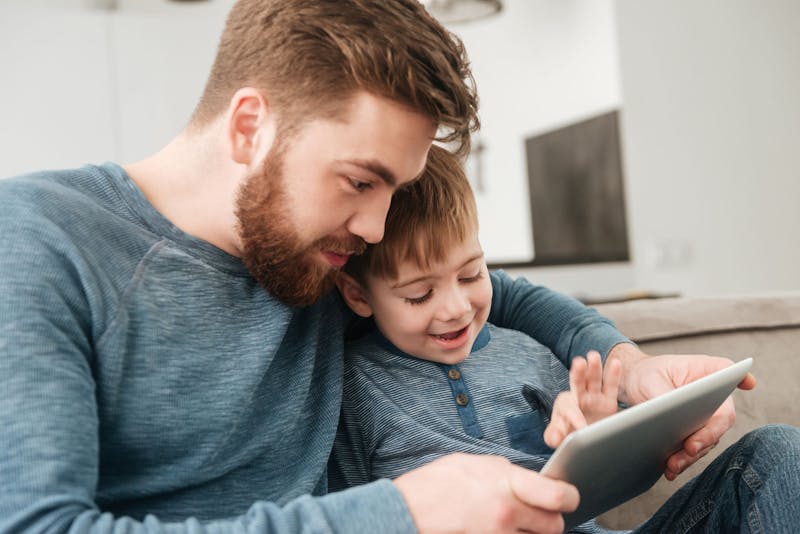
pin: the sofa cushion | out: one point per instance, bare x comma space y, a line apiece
650, 320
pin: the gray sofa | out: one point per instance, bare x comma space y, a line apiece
765, 327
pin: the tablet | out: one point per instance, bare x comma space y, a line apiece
623, 455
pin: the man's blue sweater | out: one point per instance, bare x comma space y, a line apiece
147, 383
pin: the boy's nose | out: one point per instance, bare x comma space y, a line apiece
455, 306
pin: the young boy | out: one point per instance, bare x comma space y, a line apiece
434, 377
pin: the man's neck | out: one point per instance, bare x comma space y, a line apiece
194, 185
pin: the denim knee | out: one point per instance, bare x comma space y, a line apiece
768, 452
778, 441
750, 487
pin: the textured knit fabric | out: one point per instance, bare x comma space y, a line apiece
400, 412
149, 384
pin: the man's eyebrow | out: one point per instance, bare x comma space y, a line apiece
375, 167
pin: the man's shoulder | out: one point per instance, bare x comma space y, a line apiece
74, 216
54, 194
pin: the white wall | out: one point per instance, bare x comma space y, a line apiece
56, 97
712, 142
86, 84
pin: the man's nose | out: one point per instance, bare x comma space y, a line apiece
369, 223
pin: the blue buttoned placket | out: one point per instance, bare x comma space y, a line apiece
463, 400
455, 378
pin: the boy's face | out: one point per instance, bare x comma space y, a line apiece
435, 314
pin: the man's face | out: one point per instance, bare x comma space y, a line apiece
322, 194
435, 314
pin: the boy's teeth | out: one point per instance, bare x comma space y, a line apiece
450, 335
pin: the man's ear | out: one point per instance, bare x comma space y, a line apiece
354, 294
250, 126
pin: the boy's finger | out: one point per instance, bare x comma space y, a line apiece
573, 416
577, 375
594, 381
553, 436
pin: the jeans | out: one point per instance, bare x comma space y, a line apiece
752, 487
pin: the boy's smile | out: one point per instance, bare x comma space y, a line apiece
453, 340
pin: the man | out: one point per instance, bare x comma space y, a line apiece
149, 381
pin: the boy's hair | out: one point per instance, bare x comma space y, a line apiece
310, 56
425, 220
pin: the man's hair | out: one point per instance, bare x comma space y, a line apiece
309, 57
425, 221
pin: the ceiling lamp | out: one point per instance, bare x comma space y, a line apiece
454, 11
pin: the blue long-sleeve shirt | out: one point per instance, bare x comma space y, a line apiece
147, 383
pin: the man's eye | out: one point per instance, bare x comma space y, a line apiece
420, 300
360, 186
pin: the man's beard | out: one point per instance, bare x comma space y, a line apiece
273, 251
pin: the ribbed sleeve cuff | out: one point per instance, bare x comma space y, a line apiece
374, 507
599, 336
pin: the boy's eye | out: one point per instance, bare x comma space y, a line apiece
419, 300
359, 186
473, 278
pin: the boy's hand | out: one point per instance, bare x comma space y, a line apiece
592, 396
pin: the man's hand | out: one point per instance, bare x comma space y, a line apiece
592, 396
645, 377
463, 493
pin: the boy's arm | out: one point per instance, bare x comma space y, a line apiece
561, 323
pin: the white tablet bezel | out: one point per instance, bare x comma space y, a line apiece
622, 456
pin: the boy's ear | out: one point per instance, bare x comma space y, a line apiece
354, 294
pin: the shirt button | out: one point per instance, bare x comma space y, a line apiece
453, 374
462, 399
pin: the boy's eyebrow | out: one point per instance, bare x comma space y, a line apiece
421, 278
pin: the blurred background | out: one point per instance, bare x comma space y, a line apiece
691, 187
